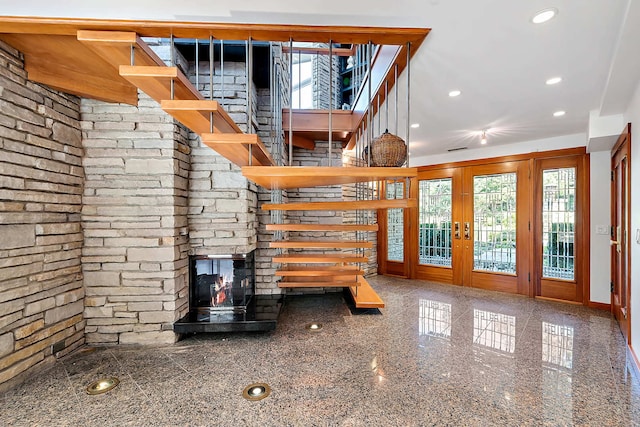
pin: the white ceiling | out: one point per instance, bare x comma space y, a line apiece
488, 49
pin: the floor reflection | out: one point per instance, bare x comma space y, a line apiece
434, 318
494, 330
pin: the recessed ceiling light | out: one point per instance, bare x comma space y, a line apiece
554, 80
454, 93
544, 15
483, 139
559, 114
415, 125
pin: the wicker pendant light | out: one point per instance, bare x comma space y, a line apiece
388, 150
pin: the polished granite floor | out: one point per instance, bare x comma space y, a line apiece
436, 355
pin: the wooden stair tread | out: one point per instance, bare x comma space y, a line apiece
238, 145
364, 296
115, 47
319, 258
155, 81
344, 205
318, 272
320, 244
331, 284
314, 124
322, 227
194, 114
288, 177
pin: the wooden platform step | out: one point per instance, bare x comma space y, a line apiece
330, 244
236, 147
328, 284
310, 258
315, 272
195, 114
364, 296
155, 81
322, 227
287, 177
342, 206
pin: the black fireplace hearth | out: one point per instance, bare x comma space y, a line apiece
222, 297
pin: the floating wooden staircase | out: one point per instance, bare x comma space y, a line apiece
176, 95
329, 266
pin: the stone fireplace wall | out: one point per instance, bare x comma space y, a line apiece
135, 254
41, 182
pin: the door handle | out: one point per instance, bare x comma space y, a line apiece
456, 230
467, 231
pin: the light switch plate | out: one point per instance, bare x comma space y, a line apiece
602, 229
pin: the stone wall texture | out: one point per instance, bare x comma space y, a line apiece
135, 254
41, 184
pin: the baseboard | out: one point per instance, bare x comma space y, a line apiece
636, 363
599, 305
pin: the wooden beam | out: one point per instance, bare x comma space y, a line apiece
318, 121
115, 47
222, 31
342, 206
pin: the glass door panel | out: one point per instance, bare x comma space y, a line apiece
558, 225
494, 222
395, 224
495, 227
434, 229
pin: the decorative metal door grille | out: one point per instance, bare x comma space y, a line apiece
395, 224
434, 241
558, 219
494, 211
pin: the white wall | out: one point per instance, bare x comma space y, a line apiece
600, 269
633, 115
555, 143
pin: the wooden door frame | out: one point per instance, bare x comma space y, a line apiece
581, 227
410, 271
624, 138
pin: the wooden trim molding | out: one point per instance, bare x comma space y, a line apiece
599, 305
222, 31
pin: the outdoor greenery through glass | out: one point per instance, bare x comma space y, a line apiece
435, 222
558, 218
395, 224
494, 212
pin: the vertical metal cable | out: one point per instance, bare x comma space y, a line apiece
379, 114
249, 64
370, 104
211, 72
386, 104
330, 101
395, 88
133, 55
173, 64
408, 98
197, 66
290, 101
222, 72
299, 79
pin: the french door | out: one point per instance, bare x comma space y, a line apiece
473, 226
518, 225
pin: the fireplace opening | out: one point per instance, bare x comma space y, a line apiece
222, 297
221, 282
